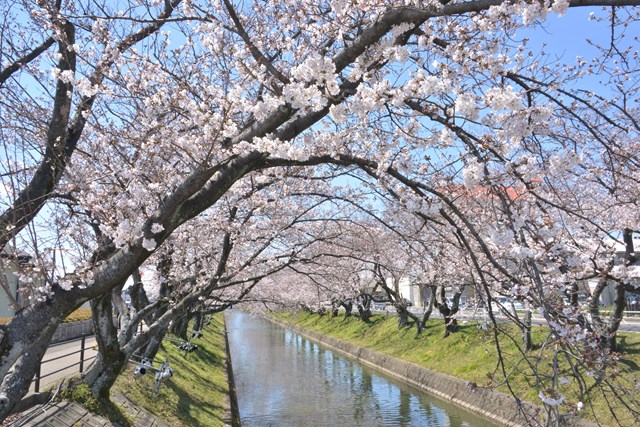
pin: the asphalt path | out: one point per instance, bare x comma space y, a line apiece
65, 358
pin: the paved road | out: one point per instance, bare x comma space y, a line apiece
58, 357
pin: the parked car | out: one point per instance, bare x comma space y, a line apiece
379, 305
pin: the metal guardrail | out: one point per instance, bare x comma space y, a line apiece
80, 363
480, 312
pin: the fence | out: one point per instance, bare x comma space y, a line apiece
81, 363
72, 330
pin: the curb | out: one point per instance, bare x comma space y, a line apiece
232, 416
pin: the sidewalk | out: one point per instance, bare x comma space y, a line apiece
69, 414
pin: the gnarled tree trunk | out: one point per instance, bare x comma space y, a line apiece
450, 322
111, 360
364, 307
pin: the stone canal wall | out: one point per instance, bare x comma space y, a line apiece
496, 406
232, 415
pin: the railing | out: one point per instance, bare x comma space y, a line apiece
81, 362
628, 316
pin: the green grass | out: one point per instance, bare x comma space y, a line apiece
471, 354
198, 390
81, 393
78, 315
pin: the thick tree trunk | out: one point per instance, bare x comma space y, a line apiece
401, 304
450, 322
348, 308
365, 313
23, 342
111, 360
364, 307
450, 325
16, 384
403, 318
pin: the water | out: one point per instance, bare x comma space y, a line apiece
283, 379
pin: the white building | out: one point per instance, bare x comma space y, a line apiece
10, 265
410, 291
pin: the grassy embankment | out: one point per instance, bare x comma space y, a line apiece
471, 354
197, 393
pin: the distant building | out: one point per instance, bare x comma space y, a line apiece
608, 295
410, 291
11, 264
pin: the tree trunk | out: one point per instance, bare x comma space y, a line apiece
573, 294
153, 346
23, 342
451, 325
620, 303
335, 305
364, 307
199, 320
607, 332
427, 313
526, 331
16, 384
111, 360
365, 313
348, 308
403, 318
139, 299
179, 326
450, 322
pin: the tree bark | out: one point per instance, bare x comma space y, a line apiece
198, 321
179, 326
364, 307
403, 317
527, 343
23, 343
153, 345
111, 360
348, 307
450, 322
427, 313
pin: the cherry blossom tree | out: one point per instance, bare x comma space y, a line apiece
214, 268
415, 97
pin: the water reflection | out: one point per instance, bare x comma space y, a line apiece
283, 379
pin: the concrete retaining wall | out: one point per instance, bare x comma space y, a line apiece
232, 417
496, 406
72, 330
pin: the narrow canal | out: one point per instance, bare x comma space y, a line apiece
282, 379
